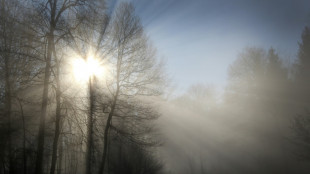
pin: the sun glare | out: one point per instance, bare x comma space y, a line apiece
83, 69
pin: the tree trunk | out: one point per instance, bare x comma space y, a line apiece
106, 133
108, 124
24, 138
90, 128
8, 95
57, 123
40, 150
8, 104
50, 46
60, 154
105, 139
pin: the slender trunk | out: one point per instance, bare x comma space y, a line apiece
57, 123
108, 123
60, 156
65, 155
120, 151
8, 109
8, 95
50, 46
24, 138
40, 150
109, 154
105, 139
106, 133
90, 128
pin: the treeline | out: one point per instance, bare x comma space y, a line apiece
261, 84
52, 123
261, 122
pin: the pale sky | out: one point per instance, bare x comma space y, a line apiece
199, 39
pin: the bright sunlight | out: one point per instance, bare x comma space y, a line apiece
83, 69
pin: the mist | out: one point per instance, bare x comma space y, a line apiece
228, 139
154, 87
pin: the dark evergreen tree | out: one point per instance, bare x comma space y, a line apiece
276, 80
301, 122
302, 68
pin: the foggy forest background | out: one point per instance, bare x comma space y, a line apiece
128, 120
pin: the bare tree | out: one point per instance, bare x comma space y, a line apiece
8, 104
90, 37
16, 63
52, 21
135, 74
36, 55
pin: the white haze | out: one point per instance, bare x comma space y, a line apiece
224, 138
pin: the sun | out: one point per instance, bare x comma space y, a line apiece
84, 69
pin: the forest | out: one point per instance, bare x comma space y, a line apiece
83, 90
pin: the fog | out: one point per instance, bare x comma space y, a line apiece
226, 141
259, 124
154, 87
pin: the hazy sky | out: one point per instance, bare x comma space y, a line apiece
200, 38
